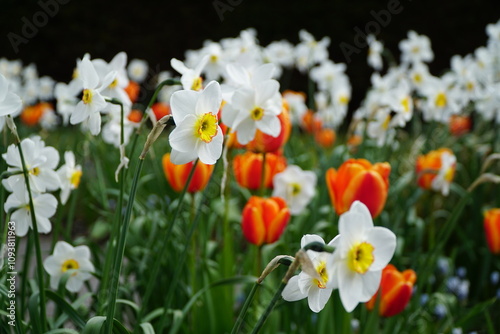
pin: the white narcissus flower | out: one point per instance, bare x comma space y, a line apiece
65, 95
70, 175
417, 48
190, 79
445, 174
67, 257
45, 206
375, 49
138, 70
296, 187
254, 108
10, 103
197, 133
92, 102
361, 252
297, 104
304, 285
40, 162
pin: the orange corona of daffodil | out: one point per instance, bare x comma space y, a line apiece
359, 180
247, 169
177, 175
429, 165
395, 291
264, 219
492, 229
266, 143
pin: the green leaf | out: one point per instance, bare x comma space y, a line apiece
33, 308
66, 308
62, 331
96, 324
147, 328
477, 309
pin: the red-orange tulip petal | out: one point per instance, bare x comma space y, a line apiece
492, 229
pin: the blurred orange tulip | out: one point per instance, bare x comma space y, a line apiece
395, 291
359, 180
325, 137
135, 116
160, 109
133, 89
264, 219
31, 115
460, 125
428, 166
492, 229
247, 169
266, 143
310, 122
177, 175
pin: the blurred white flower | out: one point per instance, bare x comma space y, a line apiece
297, 104
296, 186
10, 103
138, 70
191, 78
375, 49
67, 257
310, 51
445, 174
45, 206
417, 48
69, 175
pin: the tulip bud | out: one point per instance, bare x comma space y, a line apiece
359, 180
264, 219
177, 175
247, 169
395, 291
492, 229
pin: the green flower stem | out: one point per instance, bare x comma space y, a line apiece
108, 264
179, 265
168, 82
269, 308
244, 309
36, 237
117, 263
26, 266
161, 253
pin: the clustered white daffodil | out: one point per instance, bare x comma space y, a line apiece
197, 133
69, 175
67, 257
362, 250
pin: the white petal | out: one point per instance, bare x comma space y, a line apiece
209, 100
265, 91
178, 66
22, 220
181, 158
10, 105
4, 87
88, 74
63, 248
245, 130
43, 224
318, 298
292, 292
262, 73
45, 205
74, 284
183, 103
238, 74
371, 283
209, 153
269, 124
183, 138
95, 123
52, 266
350, 286
80, 113
308, 238
384, 242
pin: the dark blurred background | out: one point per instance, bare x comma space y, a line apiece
159, 30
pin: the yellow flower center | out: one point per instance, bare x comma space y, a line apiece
417, 78
68, 265
75, 178
415, 49
360, 257
295, 188
35, 171
257, 113
385, 125
470, 86
406, 104
441, 100
197, 84
87, 96
321, 269
448, 176
206, 127
213, 58
344, 99
113, 84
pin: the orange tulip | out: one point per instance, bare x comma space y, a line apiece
247, 169
135, 116
310, 122
177, 175
492, 229
266, 143
359, 180
460, 125
325, 137
395, 291
133, 89
264, 219
428, 166
31, 115
160, 109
